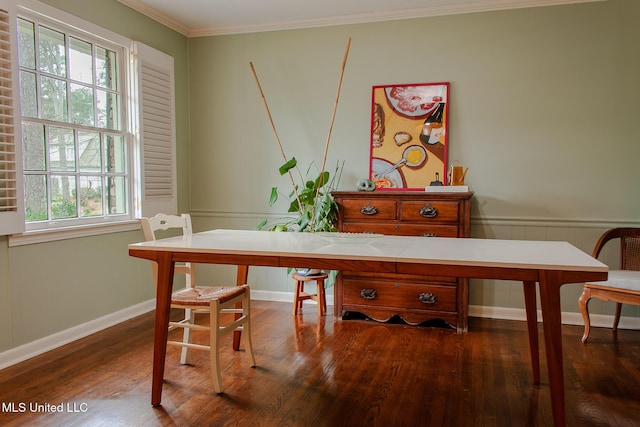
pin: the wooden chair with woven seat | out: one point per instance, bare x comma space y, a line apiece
214, 301
623, 284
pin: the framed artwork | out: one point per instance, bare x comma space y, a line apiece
409, 124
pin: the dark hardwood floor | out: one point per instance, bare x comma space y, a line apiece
330, 373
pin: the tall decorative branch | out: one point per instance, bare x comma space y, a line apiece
326, 147
273, 126
333, 116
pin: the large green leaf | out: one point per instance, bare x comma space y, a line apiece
294, 207
308, 196
274, 196
325, 213
290, 164
322, 179
304, 222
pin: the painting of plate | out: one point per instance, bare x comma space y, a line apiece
393, 179
415, 101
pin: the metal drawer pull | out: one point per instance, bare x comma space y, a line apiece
429, 211
368, 293
428, 298
368, 209
429, 235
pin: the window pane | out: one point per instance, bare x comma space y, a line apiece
62, 153
63, 197
107, 110
90, 196
117, 195
54, 99
33, 147
106, 68
52, 52
35, 195
28, 95
90, 153
80, 61
82, 105
26, 44
115, 154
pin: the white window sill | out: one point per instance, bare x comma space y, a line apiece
42, 236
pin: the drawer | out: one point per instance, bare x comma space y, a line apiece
403, 295
429, 211
369, 209
402, 229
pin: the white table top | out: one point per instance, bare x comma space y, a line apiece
522, 254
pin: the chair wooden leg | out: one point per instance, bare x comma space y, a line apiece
214, 344
246, 328
189, 316
616, 319
584, 309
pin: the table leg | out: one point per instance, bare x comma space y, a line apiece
550, 282
163, 308
241, 279
532, 327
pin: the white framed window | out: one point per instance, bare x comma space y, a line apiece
97, 127
75, 142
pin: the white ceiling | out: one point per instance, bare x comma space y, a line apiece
214, 17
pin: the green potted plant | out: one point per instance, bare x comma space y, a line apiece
311, 204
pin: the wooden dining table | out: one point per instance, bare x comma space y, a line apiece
549, 264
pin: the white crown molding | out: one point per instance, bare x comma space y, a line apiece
453, 9
156, 15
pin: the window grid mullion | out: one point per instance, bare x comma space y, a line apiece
67, 79
47, 168
76, 152
36, 35
94, 90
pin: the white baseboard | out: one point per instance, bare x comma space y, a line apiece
597, 320
35, 348
42, 345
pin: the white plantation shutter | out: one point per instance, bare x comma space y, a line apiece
11, 190
156, 95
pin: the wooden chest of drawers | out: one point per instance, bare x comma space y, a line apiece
415, 299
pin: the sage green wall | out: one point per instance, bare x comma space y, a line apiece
544, 106
544, 112
49, 287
